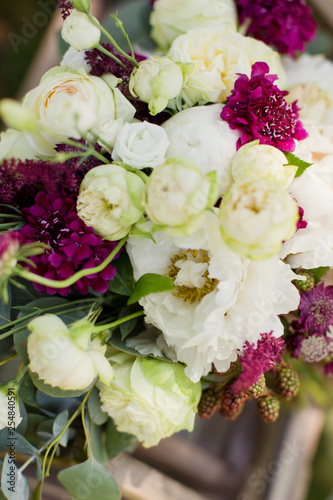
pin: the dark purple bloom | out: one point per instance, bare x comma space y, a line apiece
258, 359
286, 24
66, 8
328, 368
301, 223
316, 308
73, 245
259, 110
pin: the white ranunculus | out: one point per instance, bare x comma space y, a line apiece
218, 56
222, 300
69, 103
261, 161
65, 357
9, 407
79, 32
156, 81
256, 217
150, 398
141, 145
111, 200
178, 194
75, 60
312, 246
201, 135
13, 144
171, 18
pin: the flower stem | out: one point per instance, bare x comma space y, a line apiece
114, 324
88, 149
73, 279
8, 359
109, 54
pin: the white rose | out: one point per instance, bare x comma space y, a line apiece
171, 18
13, 144
221, 299
111, 200
75, 60
9, 407
141, 145
79, 32
218, 55
150, 398
255, 161
312, 246
201, 135
256, 217
69, 103
177, 194
64, 356
156, 81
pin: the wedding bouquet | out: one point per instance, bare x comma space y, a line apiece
167, 233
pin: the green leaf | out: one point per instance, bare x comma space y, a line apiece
116, 441
89, 481
5, 310
55, 391
301, 164
123, 282
127, 327
27, 391
14, 485
117, 342
96, 440
94, 407
37, 494
319, 273
60, 423
151, 283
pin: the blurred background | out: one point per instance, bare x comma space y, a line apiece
240, 452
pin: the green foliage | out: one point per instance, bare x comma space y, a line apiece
19, 487
98, 416
319, 273
116, 441
123, 282
301, 164
151, 283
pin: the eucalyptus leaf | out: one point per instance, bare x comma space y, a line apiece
96, 439
98, 416
27, 391
14, 485
123, 282
116, 441
89, 481
60, 423
151, 283
23, 446
117, 342
55, 391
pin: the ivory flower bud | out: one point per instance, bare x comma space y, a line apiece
141, 145
64, 356
13, 144
156, 81
256, 217
177, 193
111, 200
9, 407
257, 161
150, 398
79, 32
16, 116
171, 18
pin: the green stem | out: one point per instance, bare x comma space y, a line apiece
8, 359
109, 54
114, 324
21, 374
73, 279
85, 431
33, 457
89, 150
98, 138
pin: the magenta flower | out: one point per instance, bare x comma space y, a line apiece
66, 8
258, 359
259, 110
301, 223
73, 245
285, 24
316, 308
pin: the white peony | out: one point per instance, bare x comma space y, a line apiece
218, 54
221, 301
141, 145
65, 357
150, 398
79, 32
201, 135
69, 104
171, 18
312, 246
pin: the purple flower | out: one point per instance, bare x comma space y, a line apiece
73, 245
259, 110
301, 223
328, 368
66, 8
316, 308
286, 24
258, 359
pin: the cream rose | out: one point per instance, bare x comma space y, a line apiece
218, 54
141, 145
171, 18
64, 356
69, 104
79, 32
150, 398
111, 200
256, 217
